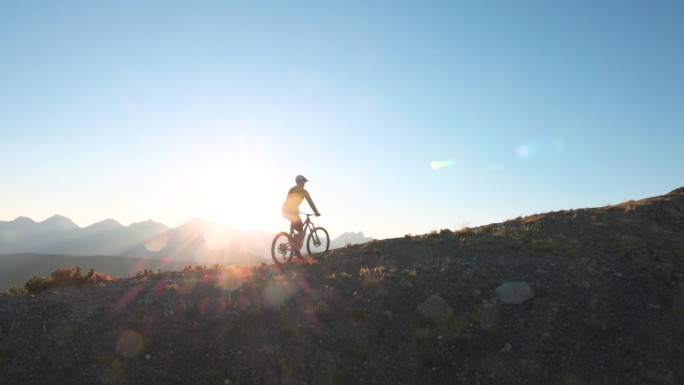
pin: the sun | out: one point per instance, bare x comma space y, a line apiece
227, 204
238, 198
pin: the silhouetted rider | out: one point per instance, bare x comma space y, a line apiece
291, 208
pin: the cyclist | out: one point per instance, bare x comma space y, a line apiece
291, 209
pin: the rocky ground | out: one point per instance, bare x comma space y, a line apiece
599, 300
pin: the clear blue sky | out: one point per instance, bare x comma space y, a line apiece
406, 116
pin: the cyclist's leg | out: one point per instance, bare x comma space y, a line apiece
296, 227
298, 233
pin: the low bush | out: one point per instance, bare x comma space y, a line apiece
14, 290
64, 276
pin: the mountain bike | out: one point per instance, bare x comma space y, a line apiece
284, 245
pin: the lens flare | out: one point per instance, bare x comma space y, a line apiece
523, 151
527, 151
559, 145
157, 243
437, 164
130, 343
126, 299
275, 295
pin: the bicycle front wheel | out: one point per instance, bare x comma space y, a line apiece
318, 242
281, 248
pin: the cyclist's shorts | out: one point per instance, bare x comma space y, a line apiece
292, 216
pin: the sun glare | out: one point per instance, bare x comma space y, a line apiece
235, 198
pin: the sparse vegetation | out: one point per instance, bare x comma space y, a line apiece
372, 277
63, 277
14, 290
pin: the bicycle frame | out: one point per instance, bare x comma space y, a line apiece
306, 225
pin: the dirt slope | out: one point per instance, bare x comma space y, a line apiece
608, 308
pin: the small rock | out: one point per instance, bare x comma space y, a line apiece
586, 285
488, 304
507, 348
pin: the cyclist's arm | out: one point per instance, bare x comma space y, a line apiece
310, 201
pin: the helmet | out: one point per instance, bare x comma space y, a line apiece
300, 178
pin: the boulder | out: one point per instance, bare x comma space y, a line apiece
436, 309
514, 293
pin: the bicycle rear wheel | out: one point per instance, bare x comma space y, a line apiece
281, 248
318, 242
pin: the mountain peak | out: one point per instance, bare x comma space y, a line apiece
107, 224
22, 219
60, 221
149, 225
349, 238
57, 218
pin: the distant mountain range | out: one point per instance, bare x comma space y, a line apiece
349, 238
196, 240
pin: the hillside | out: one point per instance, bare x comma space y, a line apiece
599, 300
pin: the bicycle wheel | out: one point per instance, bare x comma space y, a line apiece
318, 242
281, 248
